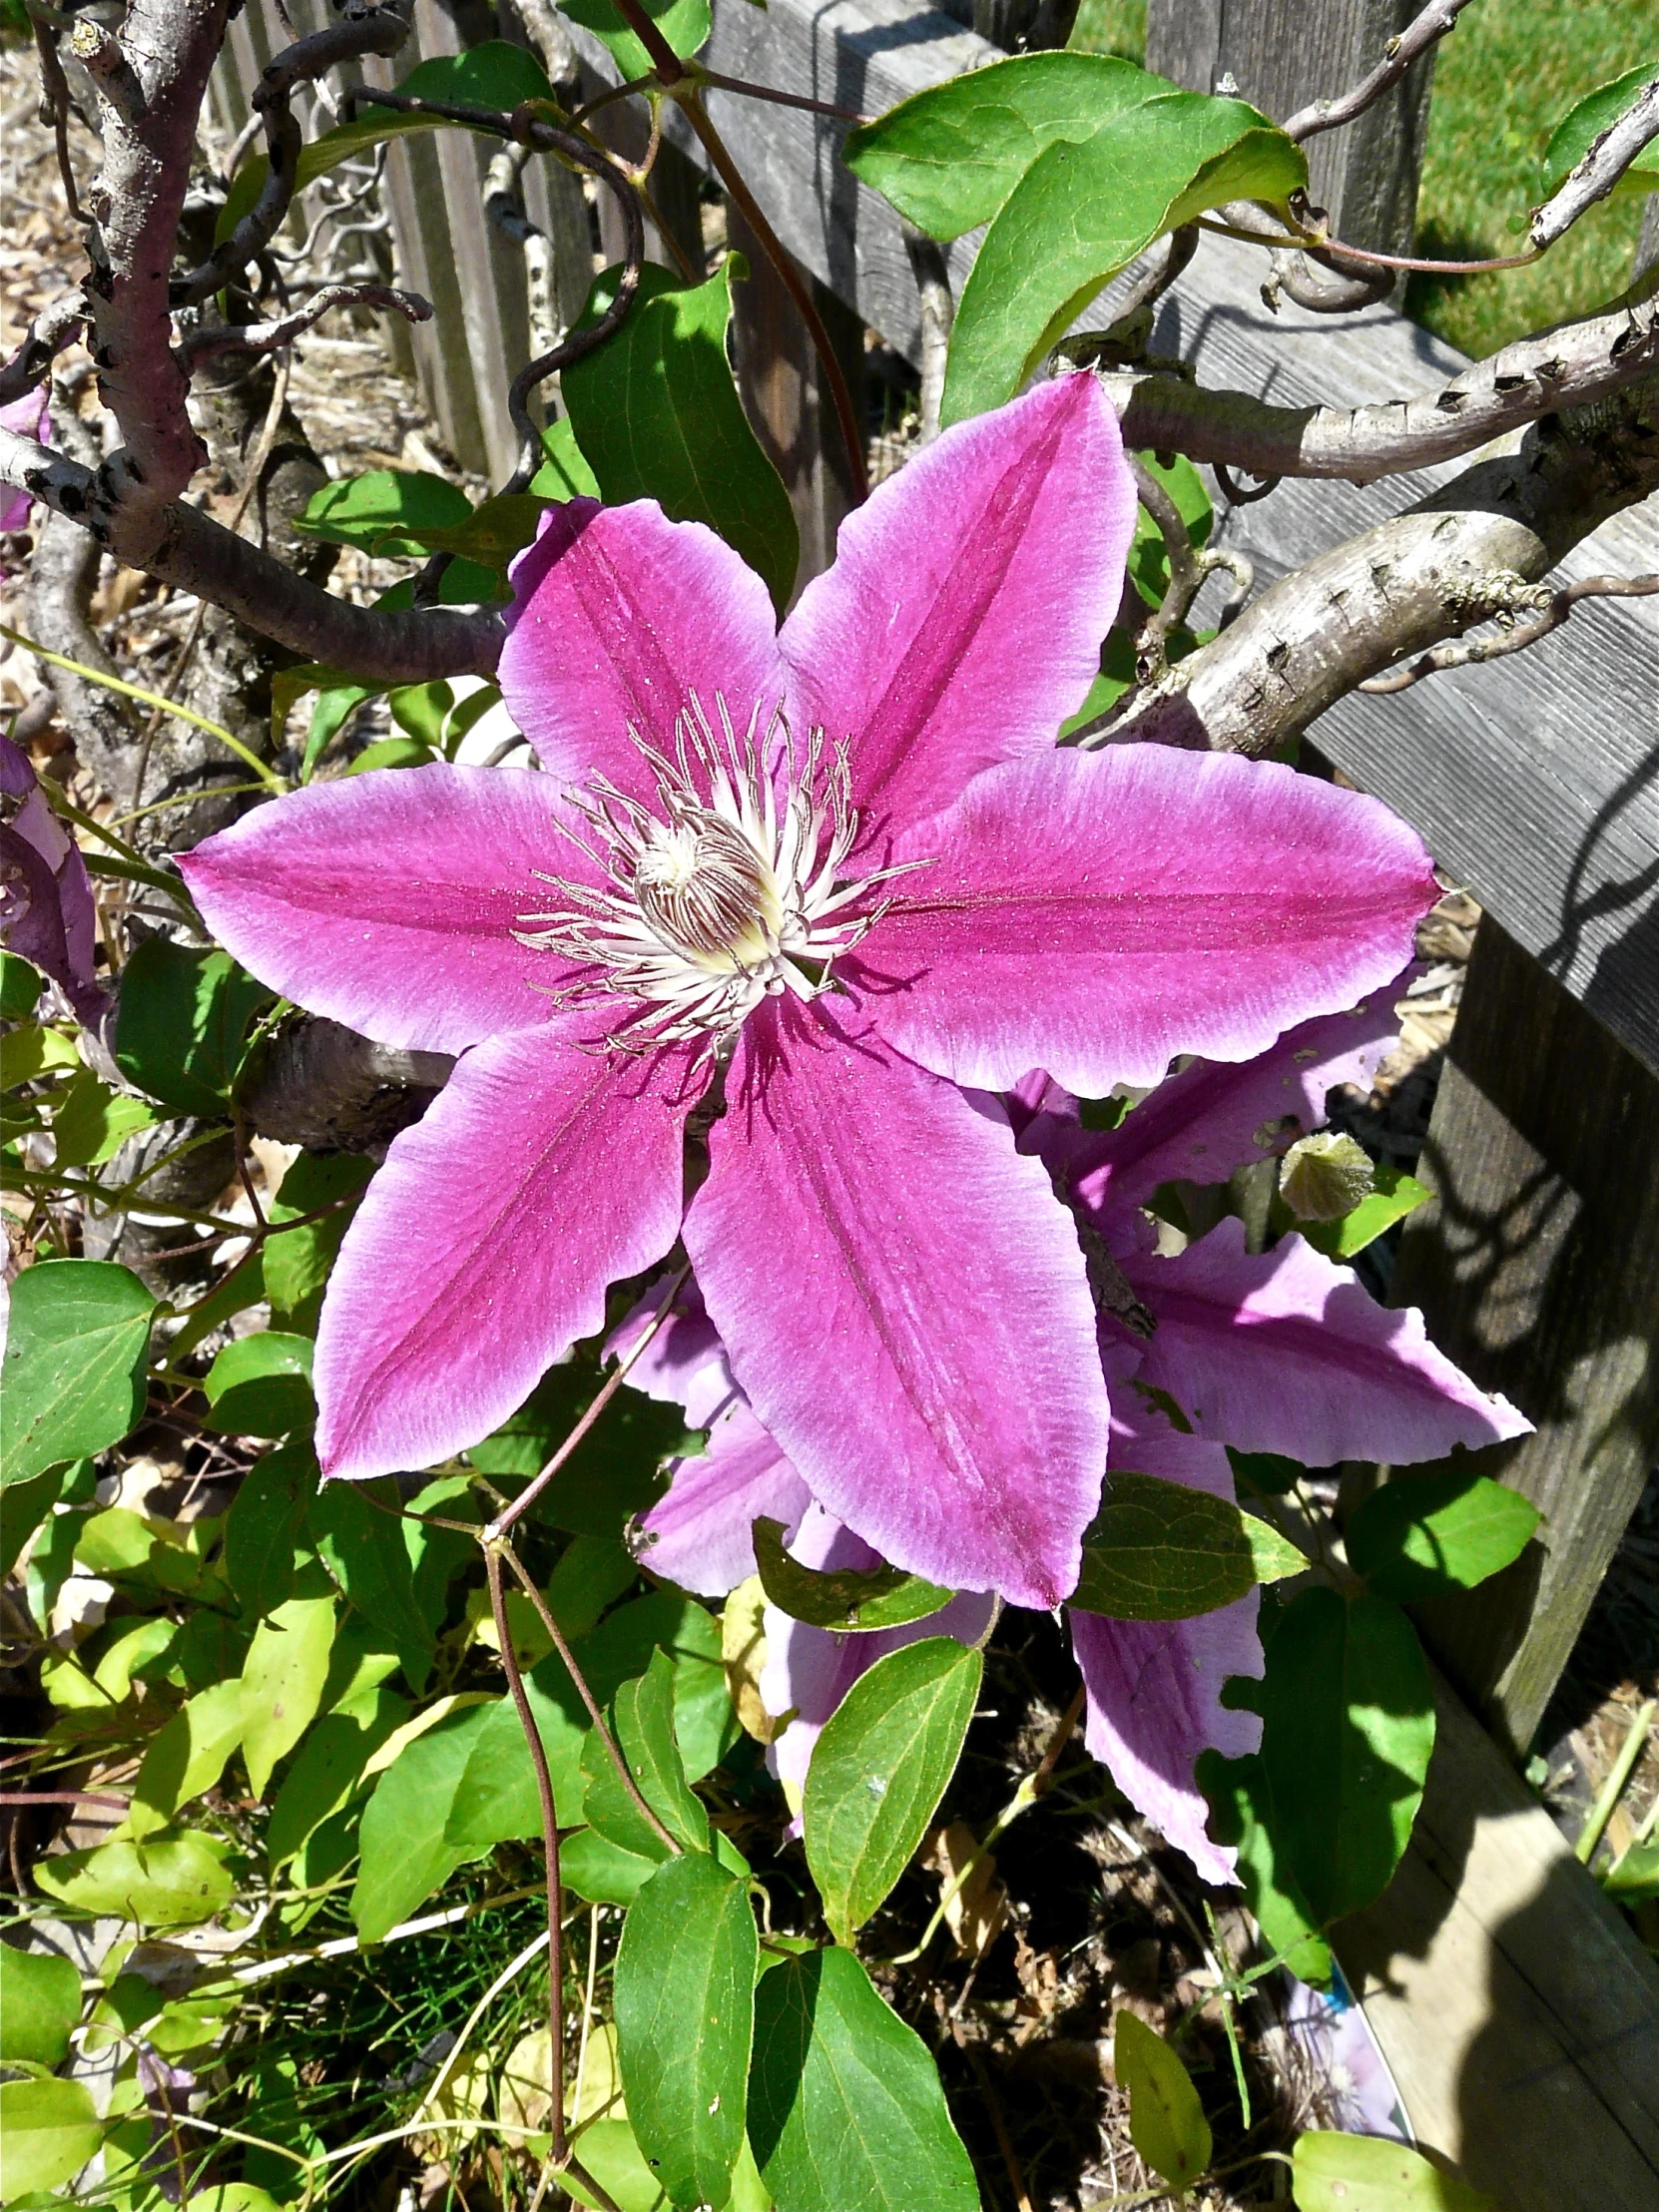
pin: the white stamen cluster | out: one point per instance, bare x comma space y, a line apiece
726, 892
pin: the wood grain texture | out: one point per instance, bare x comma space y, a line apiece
787, 397
1280, 57
1514, 2005
1538, 1268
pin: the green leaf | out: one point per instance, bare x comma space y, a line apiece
1633, 1879
602, 1871
1583, 124
91, 1122
25, 1505
392, 753
51, 2129
420, 710
613, 1474
657, 415
358, 1530
328, 1769
405, 1855
564, 474
1160, 1552
1166, 2121
1241, 1817
1083, 212
885, 1597
684, 1992
1147, 556
878, 1771
281, 1682
171, 1882
133, 1550
21, 984
40, 2001
1265, 1473
1396, 1195
607, 2152
684, 22
845, 2113
490, 75
34, 1051
264, 1525
949, 157
1426, 1535
73, 1364
181, 1034
1366, 2173
591, 1573
382, 503
642, 1722
261, 1386
298, 1261
497, 1801
187, 1755
1348, 1725
490, 535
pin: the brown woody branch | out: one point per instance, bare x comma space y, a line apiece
1553, 608
180, 545
1423, 32
1601, 168
269, 337
1574, 365
1470, 551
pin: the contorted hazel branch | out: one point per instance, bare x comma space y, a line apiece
267, 337
1475, 549
1600, 170
1423, 32
1553, 608
1570, 366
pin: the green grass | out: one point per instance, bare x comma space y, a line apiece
1111, 27
1502, 81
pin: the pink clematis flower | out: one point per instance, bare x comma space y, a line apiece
47, 912
28, 418
1284, 1353
842, 869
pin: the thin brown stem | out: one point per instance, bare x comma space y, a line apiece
603, 1398
748, 91
550, 1839
731, 178
612, 1747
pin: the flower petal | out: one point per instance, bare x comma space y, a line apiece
700, 1534
684, 1362
619, 616
904, 1304
1096, 914
482, 1250
388, 900
961, 622
1203, 1123
1154, 1687
809, 1670
1287, 1352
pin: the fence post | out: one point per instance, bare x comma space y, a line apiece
785, 395
1283, 53
1538, 1267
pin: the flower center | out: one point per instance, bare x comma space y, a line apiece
726, 891
703, 888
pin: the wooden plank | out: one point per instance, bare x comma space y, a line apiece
1365, 176
788, 398
1514, 2005
1537, 1268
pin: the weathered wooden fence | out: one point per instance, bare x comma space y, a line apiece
1516, 2006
